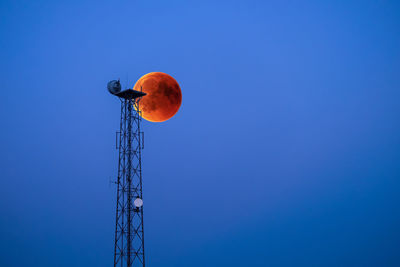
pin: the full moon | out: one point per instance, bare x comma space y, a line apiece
163, 99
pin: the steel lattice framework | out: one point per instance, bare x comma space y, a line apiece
129, 234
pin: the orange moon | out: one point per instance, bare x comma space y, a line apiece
163, 99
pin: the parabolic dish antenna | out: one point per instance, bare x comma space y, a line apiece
114, 87
138, 202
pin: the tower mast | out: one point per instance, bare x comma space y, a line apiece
129, 234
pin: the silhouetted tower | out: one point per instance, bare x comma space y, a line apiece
129, 234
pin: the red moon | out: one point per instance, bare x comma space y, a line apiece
163, 99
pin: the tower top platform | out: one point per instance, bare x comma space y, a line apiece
130, 94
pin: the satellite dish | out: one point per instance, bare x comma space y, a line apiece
138, 202
114, 87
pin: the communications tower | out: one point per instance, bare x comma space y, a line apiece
129, 234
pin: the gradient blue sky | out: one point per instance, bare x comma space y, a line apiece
285, 152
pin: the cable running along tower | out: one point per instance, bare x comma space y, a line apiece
129, 234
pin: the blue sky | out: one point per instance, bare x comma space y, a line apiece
285, 151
